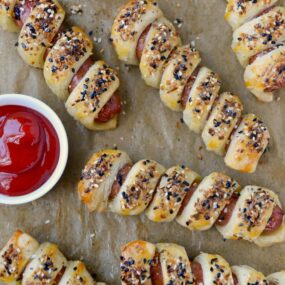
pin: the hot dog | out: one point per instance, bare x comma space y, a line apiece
112, 107
273, 224
169, 264
141, 35
65, 54
111, 182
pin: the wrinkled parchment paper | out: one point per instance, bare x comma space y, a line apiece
147, 130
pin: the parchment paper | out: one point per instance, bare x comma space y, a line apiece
147, 130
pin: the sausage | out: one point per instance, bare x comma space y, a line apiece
120, 179
188, 87
141, 42
254, 57
23, 10
187, 198
197, 272
110, 110
59, 275
80, 74
235, 279
227, 211
275, 220
156, 271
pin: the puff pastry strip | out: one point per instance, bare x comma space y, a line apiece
111, 182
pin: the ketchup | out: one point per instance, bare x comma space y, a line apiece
29, 150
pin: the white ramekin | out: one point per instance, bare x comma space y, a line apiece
46, 111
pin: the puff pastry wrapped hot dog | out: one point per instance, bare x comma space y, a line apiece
167, 263
66, 56
111, 182
142, 35
259, 34
24, 261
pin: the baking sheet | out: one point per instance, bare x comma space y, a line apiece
147, 130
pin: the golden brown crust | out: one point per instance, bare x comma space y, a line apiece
39, 31
92, 94
266, 74
15, 256
180, 66
136, 259
221, 123
98, 176
7, 17
162, 38
210, 198
240, 11
259, 34
175, 183
251, 214
201, 99
66, 57
137, 191
129, 24
247, 145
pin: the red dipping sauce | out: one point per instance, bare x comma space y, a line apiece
29, 150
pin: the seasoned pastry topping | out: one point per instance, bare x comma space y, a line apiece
135, 193
96, 172
11, 258
221, 272
69, 49
134, 273
274, 78
203, 102
230, 110
178, 269
172, 193
44, 272
129, 15
242, 6
214, 198
136, 259
42, 25
96, 86
160, 45
254, 130
252, 213
186, 59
